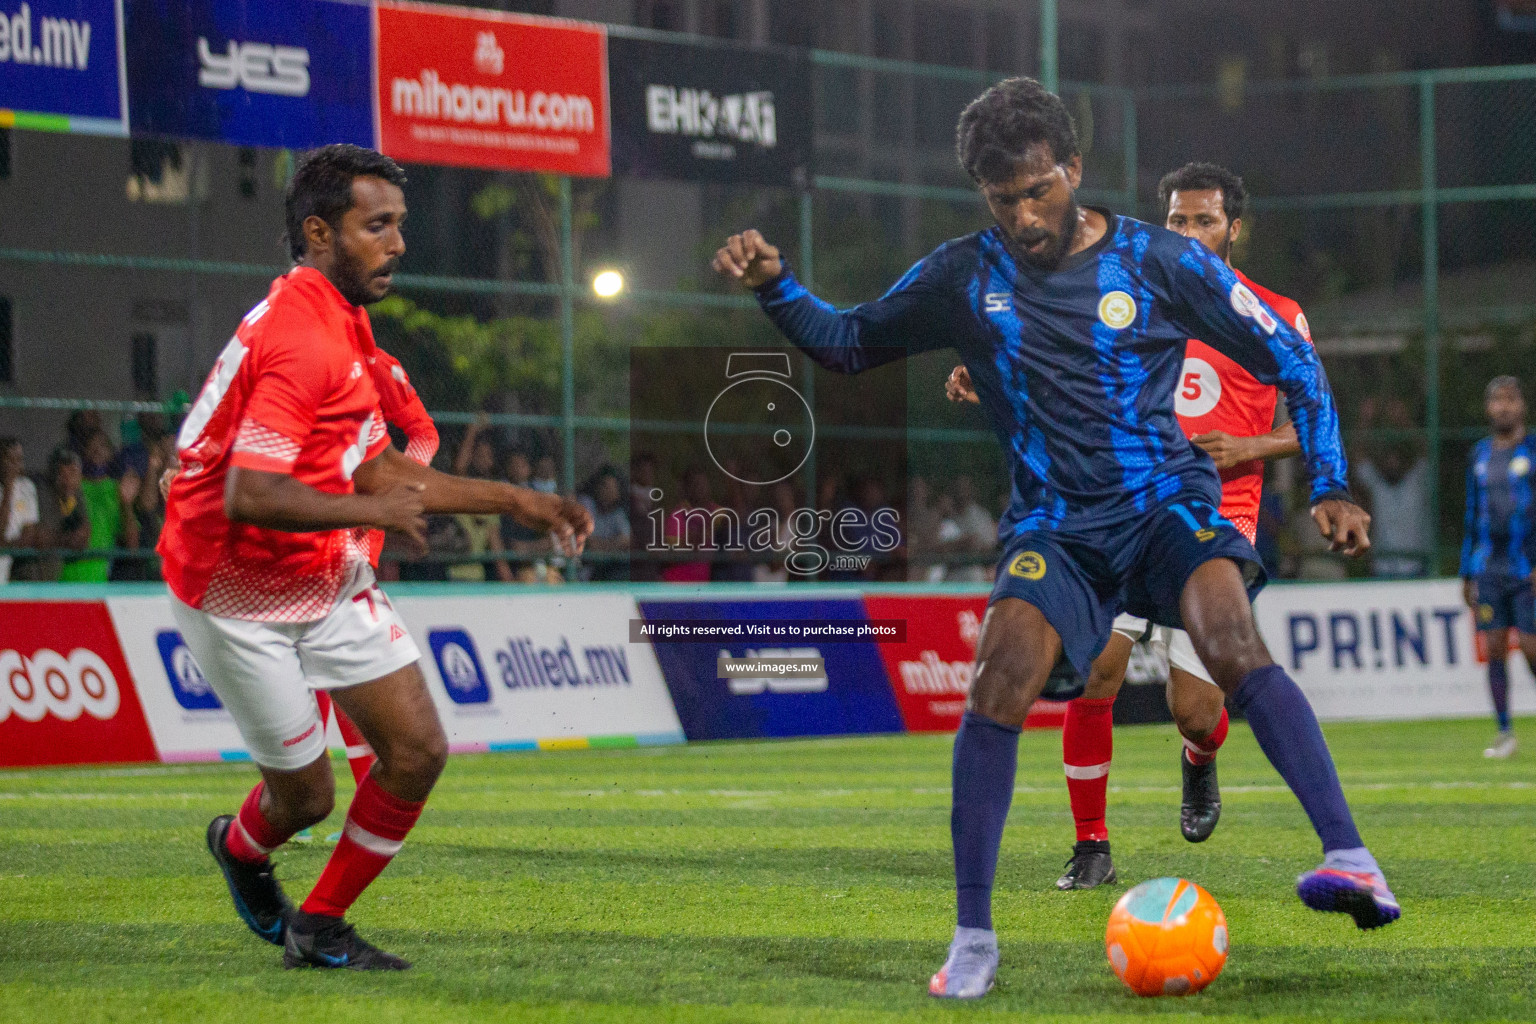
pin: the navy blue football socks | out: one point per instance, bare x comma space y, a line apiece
986, 759
1287, 730
1498, 685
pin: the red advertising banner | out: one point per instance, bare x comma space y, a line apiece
473, 88
931, 673
66, 696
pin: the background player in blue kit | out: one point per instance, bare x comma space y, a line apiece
1498, 550
1071, 322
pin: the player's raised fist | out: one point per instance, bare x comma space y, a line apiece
1345, 525
958, 387
748, 258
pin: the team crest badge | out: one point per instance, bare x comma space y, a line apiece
1519, 465
1117, 310
1028, 565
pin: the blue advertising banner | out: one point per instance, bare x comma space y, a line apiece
278, 73
61, 66
853, 695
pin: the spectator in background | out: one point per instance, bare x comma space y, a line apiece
1394, 475
476, 456
109, 505
147, 509
531, 547
692, 522
136, 454
642, 503
921, 532
464, 534
79, 428
63, 523
544, 476
784, 501
603, 497
18, 502
975, 533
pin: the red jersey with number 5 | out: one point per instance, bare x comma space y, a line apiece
291, 393
1216, 393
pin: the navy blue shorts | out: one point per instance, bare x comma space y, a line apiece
1503, 601
1080, 580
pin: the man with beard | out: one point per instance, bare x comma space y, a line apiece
286, 467
1072, 323
1231, 415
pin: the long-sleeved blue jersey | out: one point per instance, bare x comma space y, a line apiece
1498, 537
1076, 368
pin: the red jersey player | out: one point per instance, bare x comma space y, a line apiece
402, 408
286, 467
1230, 415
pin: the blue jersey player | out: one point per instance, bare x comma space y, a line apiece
1498, 549
1072, 323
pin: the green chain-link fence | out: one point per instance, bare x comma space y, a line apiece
1393, 206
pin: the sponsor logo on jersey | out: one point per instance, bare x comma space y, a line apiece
1199, 388
50, 683
1029, 565
1117, 310
255, 67
998, 302
1247, 304
459, 665
1303, 326
188, 684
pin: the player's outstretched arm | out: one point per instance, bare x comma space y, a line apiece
1228, 451
276, 501
919, 313
567, 520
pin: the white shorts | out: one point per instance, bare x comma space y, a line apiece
1173, 644
265, 672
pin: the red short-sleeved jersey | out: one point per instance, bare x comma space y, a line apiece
290, 393
403, 409
1217, 394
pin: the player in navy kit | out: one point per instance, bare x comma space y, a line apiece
1072, 323
1498, 550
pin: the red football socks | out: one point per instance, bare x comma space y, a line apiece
1204, 751
360, 756
1087, 745
251, 836
377, 824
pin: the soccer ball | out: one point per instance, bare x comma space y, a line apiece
1166, 937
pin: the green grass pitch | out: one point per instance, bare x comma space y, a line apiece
774, 881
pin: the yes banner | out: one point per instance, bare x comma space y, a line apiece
279, 73
710, 113
61, 66
480, 89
